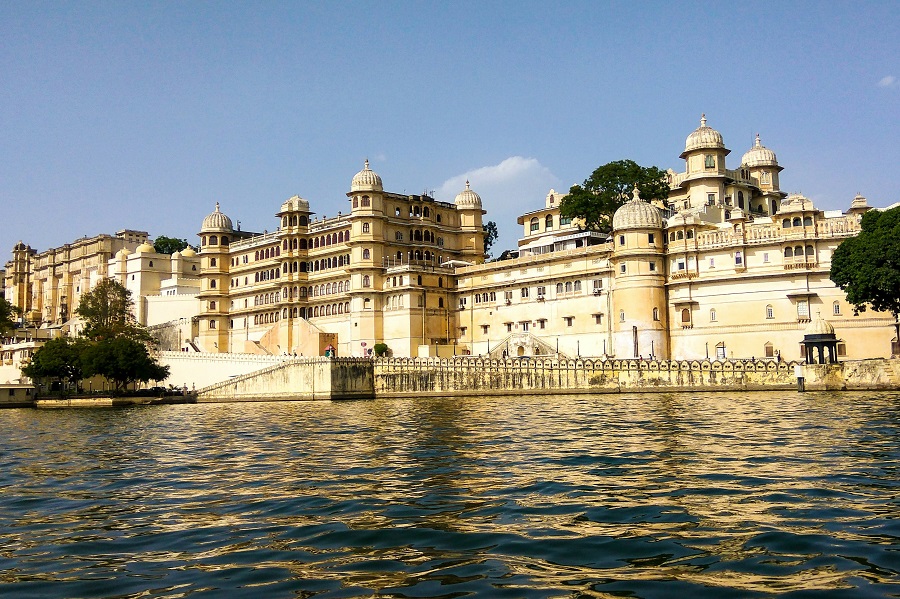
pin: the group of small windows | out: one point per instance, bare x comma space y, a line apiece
329, 309
271, 252
328, 288
393, 302
678, 235
266, 275
806, 221
485, 297
797, 252
267, 298
214, 240
420, 235
364, 201
294, 220
568, 287
267, 318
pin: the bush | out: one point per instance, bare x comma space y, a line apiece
380, 349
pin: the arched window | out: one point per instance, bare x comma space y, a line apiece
809, 250
807, 221
568, 286
425, 212
797, 222
548, 222
577, 286
366, 202
741, 200
788, 253
316, 311
327, 310
355, 202
712, 315
656, 314
366, 281
621, 315
685, 316
366, 254
365, 227
213, 240
535, 224
770, 311
679, 235
836, 308
786, 223
440, 281
798, 250
690, 234
559, 288
672, 236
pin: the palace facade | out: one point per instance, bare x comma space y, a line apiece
730, 266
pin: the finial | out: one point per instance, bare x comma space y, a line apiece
217, 206
635, 194
467, 184
367, 165
703, 120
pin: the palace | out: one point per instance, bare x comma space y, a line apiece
729, 266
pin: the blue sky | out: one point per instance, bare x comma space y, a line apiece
144, 115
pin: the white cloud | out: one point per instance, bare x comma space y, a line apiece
507, 190
888, 81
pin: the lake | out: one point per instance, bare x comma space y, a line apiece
632, 495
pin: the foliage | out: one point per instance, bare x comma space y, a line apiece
122, 361
491, 233
867, 267
169, 245
8, 314
108, 313
595, 201
380, 349
57, 359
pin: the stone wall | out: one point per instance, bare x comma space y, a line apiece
298, 379
196, 370
409, 377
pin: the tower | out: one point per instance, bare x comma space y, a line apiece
215, 236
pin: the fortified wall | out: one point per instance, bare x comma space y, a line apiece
362, 378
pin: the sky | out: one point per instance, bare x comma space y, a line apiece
143, 115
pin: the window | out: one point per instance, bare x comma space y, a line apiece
836, 309
366, 254
565, 220
769, 350
212, 324
569, 320
712, 315
508, 327
622, 269
542, 323
548, 222
598, 285
541, 291
765, 257
841, 349
440, 302
738, 259
398, 236
365, 227
621, 315
212, 284
709, 161
524, 292
507, 295
712, 262
770, 311
535, 224
621, 240
212, 305
598, 318
651, 239
656, 314
803, 310
685, 316
710, 198
681, 264
365, 201
367, 282
577, 285
652, 266
524, 325
485, 328
462, 331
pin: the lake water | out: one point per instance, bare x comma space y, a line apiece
657, 495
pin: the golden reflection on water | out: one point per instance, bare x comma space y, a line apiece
535, 495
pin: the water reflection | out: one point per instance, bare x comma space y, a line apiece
639, 495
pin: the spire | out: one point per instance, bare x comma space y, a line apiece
703, 120
635, 194
367, 165
757, 144
467, 184
217, 206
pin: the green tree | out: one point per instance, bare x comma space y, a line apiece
867, 267
169, 245
108, 312
8, 314
122, 361
595, 201
491, 233
380, 349
58, 359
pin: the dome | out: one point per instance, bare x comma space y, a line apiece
636, 214
122, 253
819, 326
703, 138
295, 204
188, 252
468, 199
19, 247
366, 180
759, 155
176, 254
216, 222
144, 248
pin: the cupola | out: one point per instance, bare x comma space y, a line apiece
468, 199
636, 214
366, 180
217, 222
703, 138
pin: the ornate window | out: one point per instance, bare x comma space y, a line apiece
770, 311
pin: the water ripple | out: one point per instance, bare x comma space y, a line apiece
708, 495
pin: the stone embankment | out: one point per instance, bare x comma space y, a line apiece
359, 378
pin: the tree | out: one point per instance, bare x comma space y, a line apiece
867, 267
122, 361
58, 359
595, 201
491, 233
8, 312
169, 245
380, 349
108, 312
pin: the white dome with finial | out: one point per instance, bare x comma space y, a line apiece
468, 199
703, 138
637, 214
759, 155
217, 222
145, 248
366, 180
819, 326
